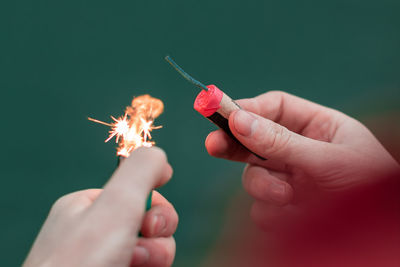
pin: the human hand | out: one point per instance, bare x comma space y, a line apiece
99, 227
311, 150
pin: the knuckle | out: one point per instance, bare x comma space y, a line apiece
276, 93
273, 94
61, 202
74, 203
65, 206
168, 252
276, 139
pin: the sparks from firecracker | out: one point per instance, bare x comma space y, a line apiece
132, 130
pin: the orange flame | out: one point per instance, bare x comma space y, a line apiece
133, 129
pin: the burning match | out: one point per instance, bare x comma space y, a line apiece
132, 130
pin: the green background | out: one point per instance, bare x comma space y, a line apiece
62, 61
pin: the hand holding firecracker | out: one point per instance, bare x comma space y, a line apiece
99, 227
310, 148
329, 189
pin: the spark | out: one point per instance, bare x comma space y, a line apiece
119, 129
133, 129
101, 122
146, 128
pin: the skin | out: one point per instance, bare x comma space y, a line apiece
311, 150
99, 227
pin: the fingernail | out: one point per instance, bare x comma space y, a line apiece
245, 124
158, 224
277, 191
140, 256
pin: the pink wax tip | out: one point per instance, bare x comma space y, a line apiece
208, 102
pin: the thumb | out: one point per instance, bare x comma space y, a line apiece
273, 141
122, 202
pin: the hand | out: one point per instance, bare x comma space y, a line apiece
99, 227
311, 149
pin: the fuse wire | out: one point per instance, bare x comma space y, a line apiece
185, 74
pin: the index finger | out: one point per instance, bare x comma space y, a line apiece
290, 111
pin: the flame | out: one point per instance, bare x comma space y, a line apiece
133, 129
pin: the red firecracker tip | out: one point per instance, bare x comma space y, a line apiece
208, 102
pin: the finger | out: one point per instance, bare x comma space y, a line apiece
161, 220
165, 177
263, 186
121, 205
269, 217
284, 176
154, 252
220, 145
293, 112
273, 141
162, 181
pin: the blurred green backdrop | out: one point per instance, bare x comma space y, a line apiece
62, 61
